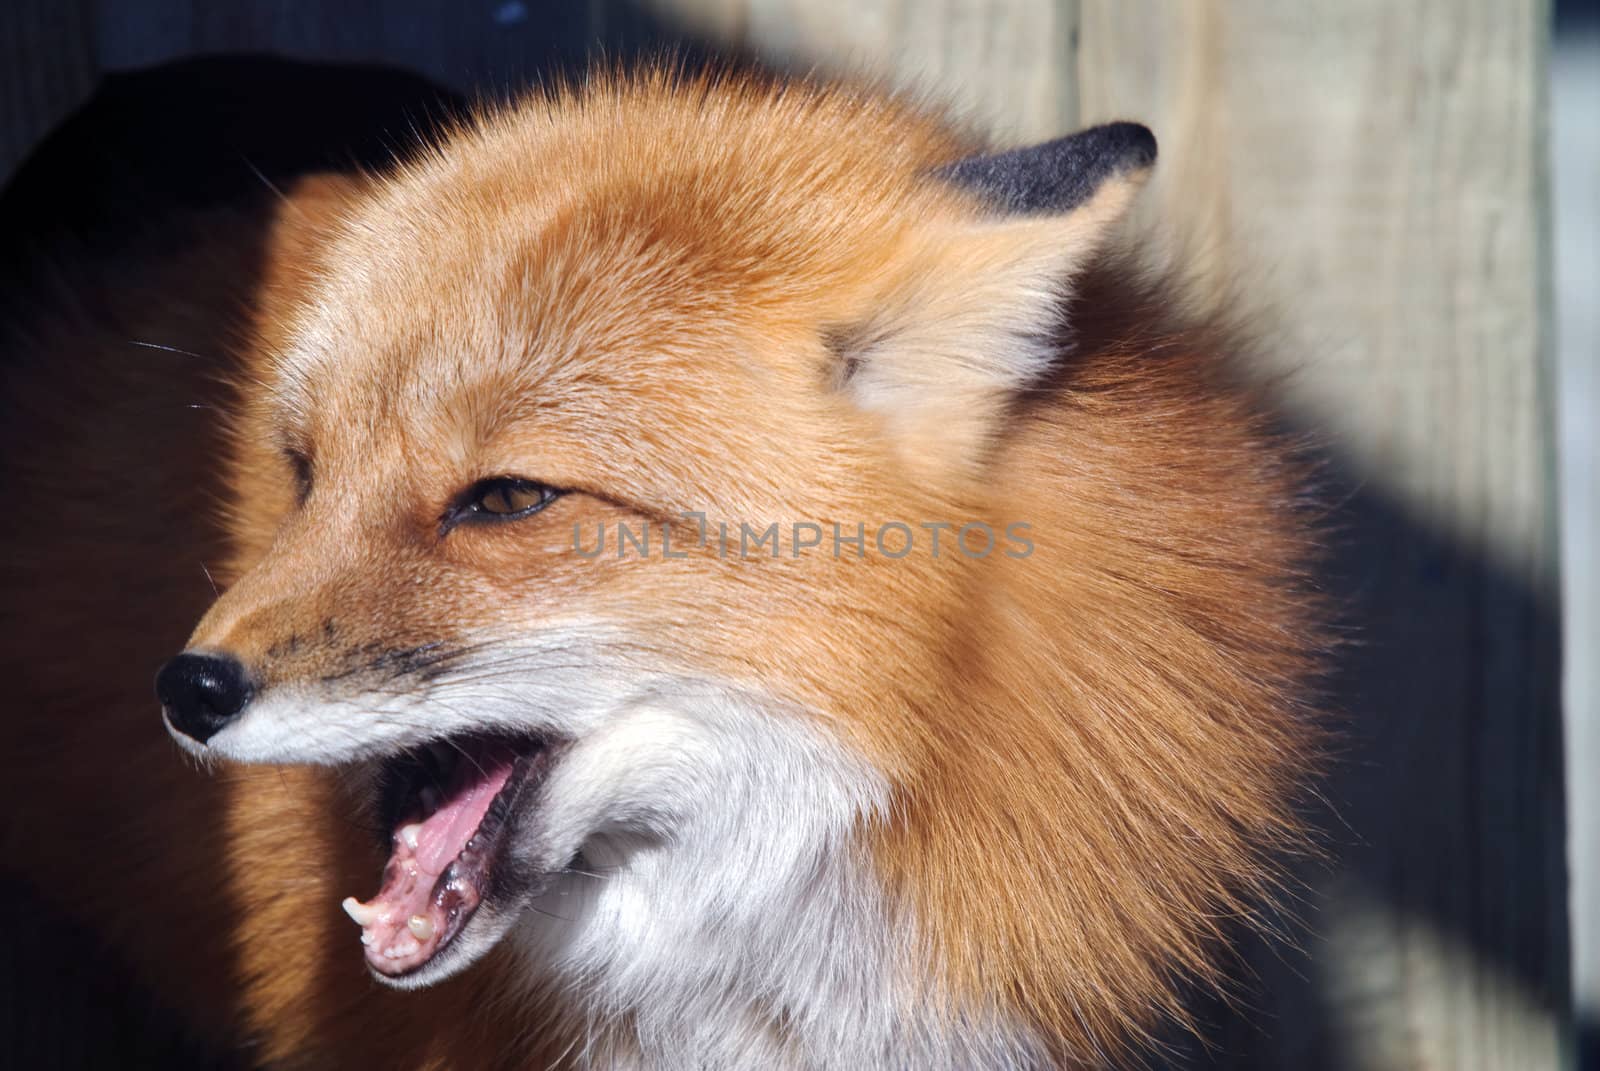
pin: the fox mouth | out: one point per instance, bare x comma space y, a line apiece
450, 809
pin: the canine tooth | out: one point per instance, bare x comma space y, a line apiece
420, 927
409, 835
360, 913
367, 938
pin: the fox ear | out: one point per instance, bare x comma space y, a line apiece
973, 311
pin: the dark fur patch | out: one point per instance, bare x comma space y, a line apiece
846, 343
1056, 176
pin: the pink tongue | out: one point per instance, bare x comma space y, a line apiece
446, 831
405, 923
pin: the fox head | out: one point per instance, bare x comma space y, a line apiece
713, 506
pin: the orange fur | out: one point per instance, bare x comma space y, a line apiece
626, 290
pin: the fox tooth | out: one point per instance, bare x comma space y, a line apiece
360, 913
401, 949
420, 927
409, 835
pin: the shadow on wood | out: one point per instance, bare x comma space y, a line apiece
1432, 817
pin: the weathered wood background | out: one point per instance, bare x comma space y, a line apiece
1371, 175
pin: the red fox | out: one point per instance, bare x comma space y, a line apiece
714, 572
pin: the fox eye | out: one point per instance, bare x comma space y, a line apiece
300, 465
505, 498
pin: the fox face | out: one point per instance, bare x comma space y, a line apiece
590, 480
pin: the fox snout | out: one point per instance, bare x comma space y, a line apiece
201, 692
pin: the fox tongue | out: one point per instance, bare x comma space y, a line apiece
443, 834
424, 898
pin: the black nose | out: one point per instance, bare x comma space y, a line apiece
202, 692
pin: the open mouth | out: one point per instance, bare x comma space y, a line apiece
449, 808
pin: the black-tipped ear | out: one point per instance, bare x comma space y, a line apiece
971, 310
1056, 176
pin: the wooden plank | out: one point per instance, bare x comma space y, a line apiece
1004, 66
486, 47
1372, 174
46, 69
1575, 102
